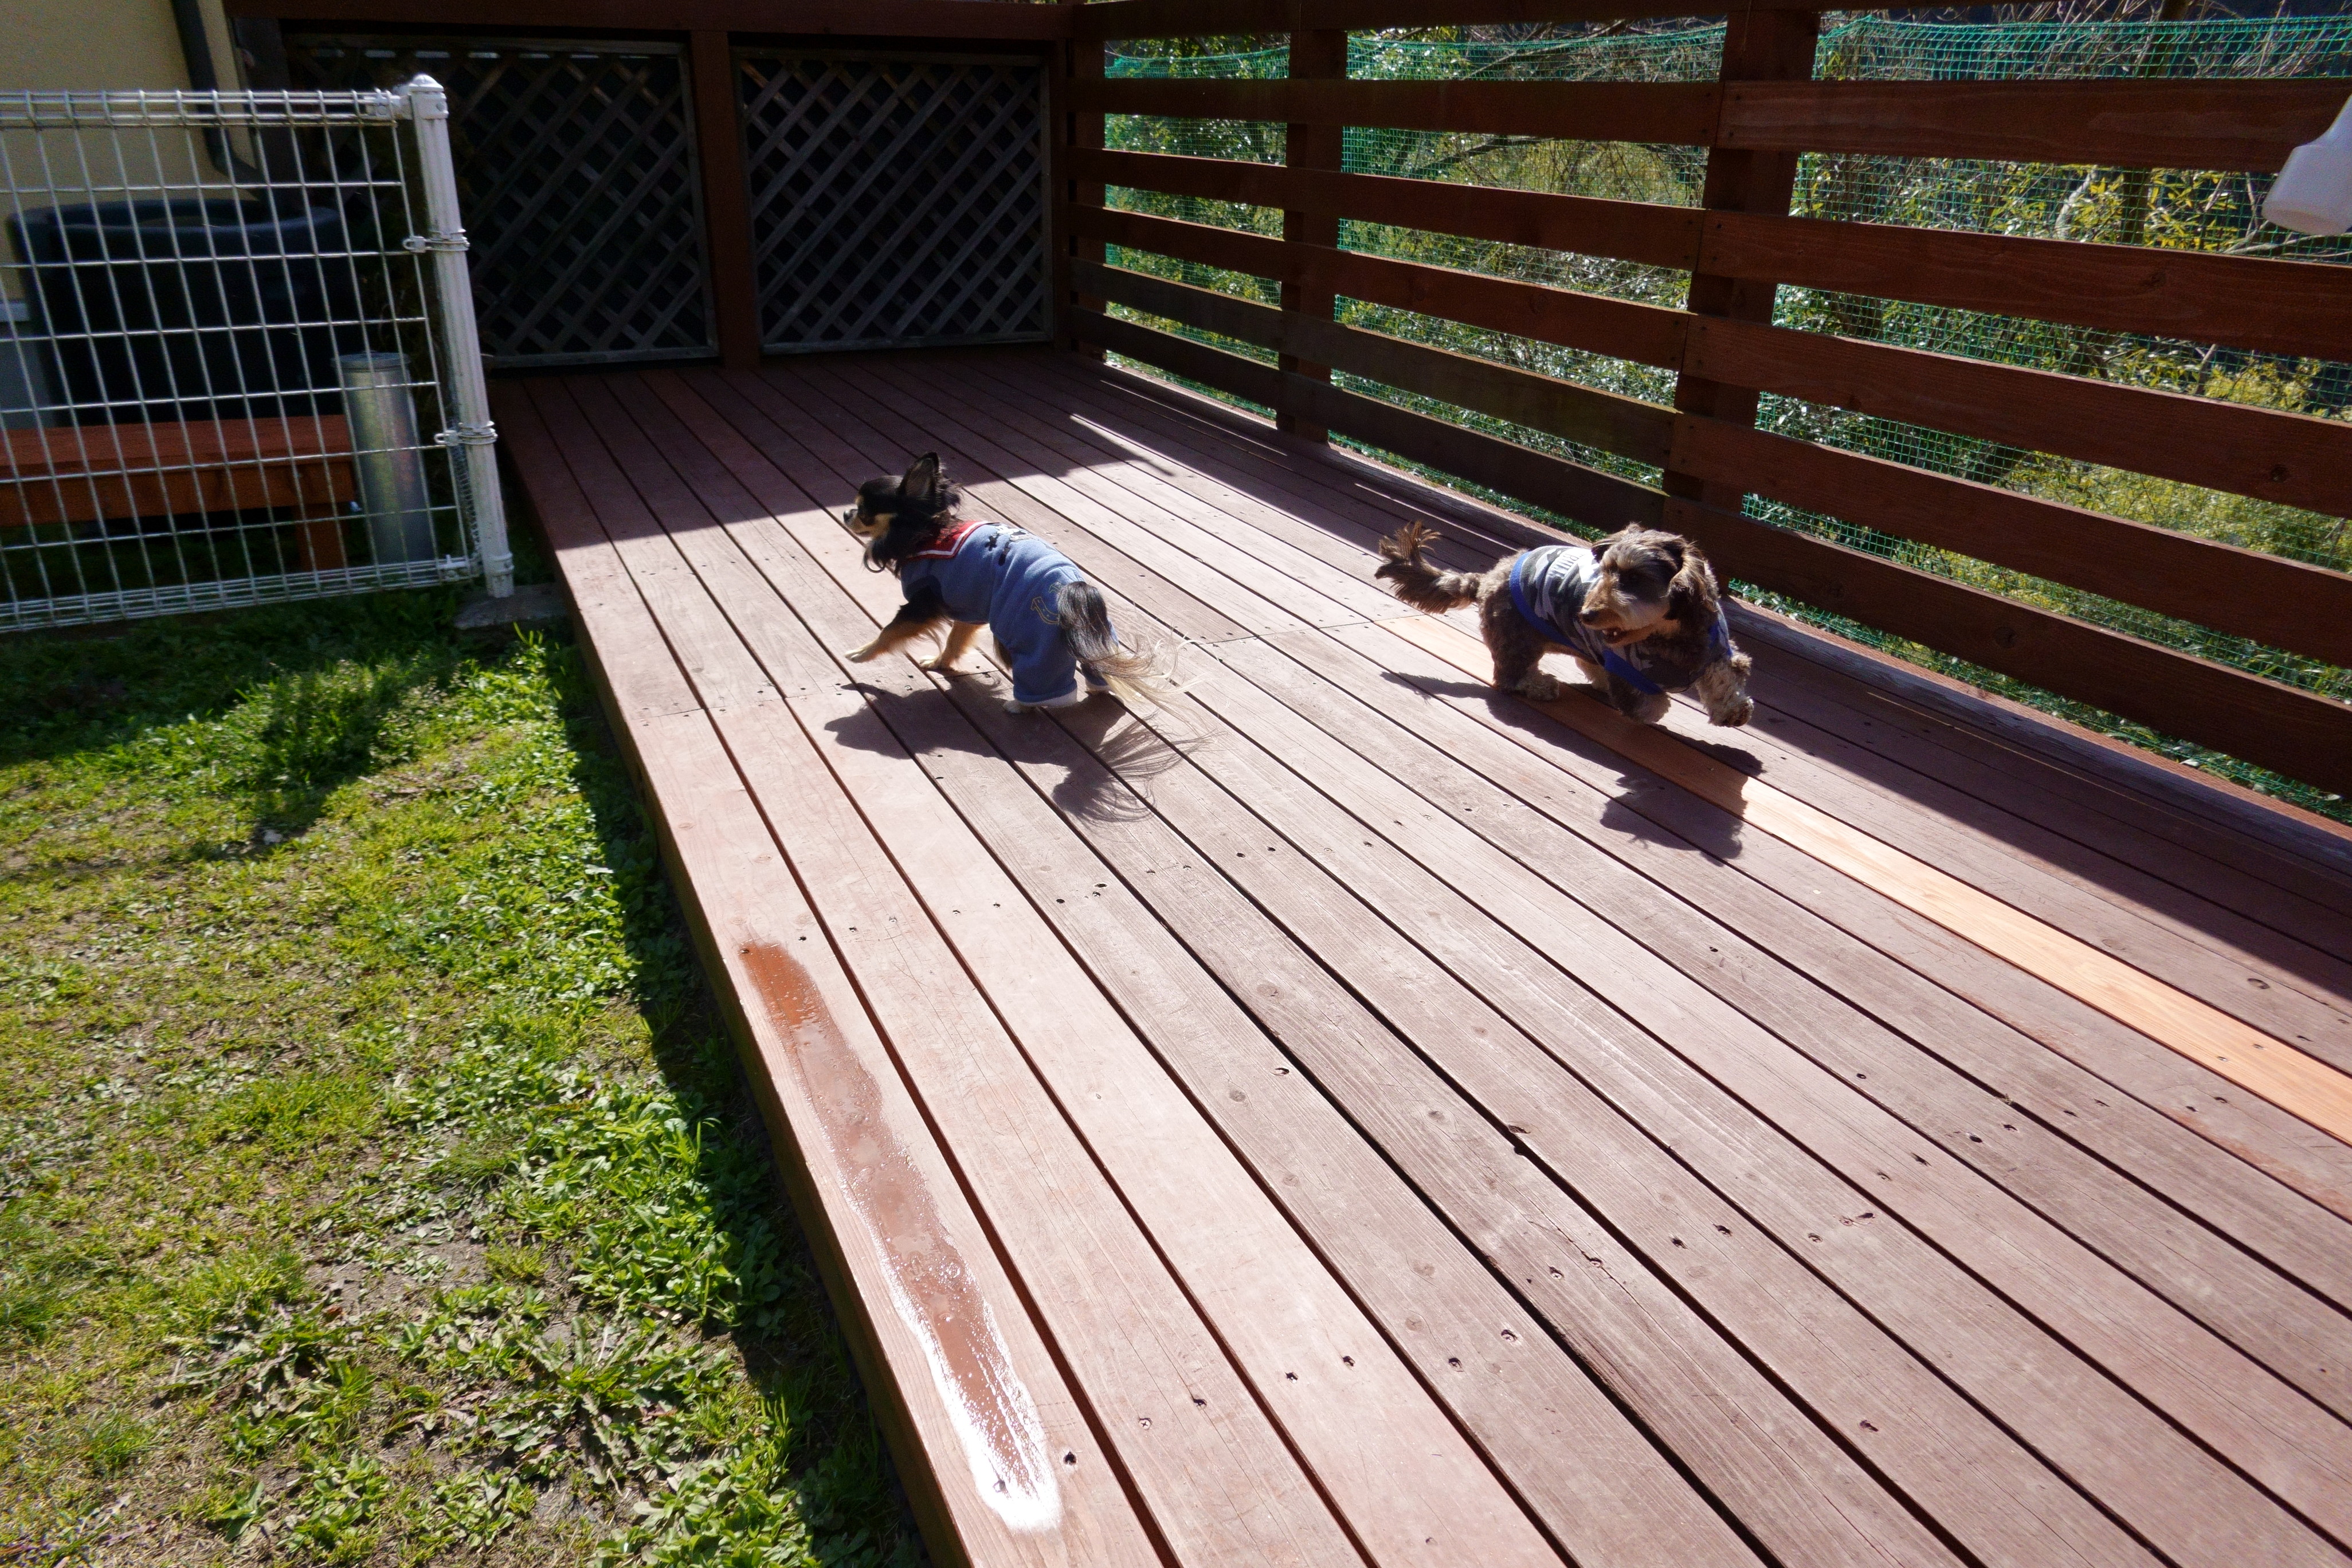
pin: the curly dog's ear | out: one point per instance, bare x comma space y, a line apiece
1692, 598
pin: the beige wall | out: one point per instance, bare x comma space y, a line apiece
89, 45
51, 46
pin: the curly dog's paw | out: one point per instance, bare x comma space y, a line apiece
1539, 686
1734, 713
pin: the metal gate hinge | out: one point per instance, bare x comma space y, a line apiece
463, 435
436, 239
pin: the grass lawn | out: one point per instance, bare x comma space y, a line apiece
376, 1185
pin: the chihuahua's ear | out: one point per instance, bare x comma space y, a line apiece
1691, 597
921, 485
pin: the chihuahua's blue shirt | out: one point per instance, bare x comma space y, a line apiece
1548, 586
987, 571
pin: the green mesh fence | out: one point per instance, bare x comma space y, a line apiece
2173, 209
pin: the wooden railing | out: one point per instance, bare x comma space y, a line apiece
1738, 246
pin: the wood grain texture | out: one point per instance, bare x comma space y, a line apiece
2294, 459
1607, 420
2248, 125
726, 200
2297, 308
738, 896
1608, 111
80, 473
2281, 1074
2267, 598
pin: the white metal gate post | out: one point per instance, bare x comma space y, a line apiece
472, 433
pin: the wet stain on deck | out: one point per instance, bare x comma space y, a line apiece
930, 1286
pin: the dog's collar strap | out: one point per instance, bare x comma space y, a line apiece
946, 545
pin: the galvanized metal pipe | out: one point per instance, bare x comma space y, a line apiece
386, 458
472, 434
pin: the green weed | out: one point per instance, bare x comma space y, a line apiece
383, 1188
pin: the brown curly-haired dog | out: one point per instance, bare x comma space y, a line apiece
1640, 611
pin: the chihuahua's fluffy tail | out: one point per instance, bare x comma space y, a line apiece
1415, 581
1137, 675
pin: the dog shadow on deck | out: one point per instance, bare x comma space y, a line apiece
1630, 810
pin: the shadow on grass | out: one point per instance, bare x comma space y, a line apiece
785, 1329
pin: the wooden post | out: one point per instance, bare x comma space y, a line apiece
726, 200
1758, 46
1319, 53
1078, 58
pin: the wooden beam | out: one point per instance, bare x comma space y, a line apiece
1771, 45
1597, 500
1310, 151
1600, 111
726, 199
856, 18
1625, 426
2249, 125
2299, 307
1648, 334
1078, 136
82, 473
2268, 598
1633, 231
2291, 459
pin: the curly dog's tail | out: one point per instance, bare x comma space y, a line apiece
1143, 674
1415, 581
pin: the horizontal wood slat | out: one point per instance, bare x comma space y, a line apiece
1646, 333
2297, 308
1203, 19
80, 473
2163, 125
2285, 604
1682, 113
1631, 231
2291, 458
2276, 307
1622, 424
1598, 499
2302, 735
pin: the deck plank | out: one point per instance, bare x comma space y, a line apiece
1405, 1125
1410, 1489
878, 1193
1554, 822
1214, 1472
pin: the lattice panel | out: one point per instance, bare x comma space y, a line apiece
895, 201
577, 175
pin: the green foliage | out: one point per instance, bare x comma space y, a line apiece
383, 1188
2214, 213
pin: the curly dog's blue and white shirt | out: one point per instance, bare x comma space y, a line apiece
988, 572
1548, 586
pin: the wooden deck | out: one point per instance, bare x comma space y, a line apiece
1356, 1118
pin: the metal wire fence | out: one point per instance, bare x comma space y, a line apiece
240, 362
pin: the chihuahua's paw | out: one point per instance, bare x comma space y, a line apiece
941, 663
1068, 699
858, 655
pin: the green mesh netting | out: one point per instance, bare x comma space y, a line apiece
2181, 209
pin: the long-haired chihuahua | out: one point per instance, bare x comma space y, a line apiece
1051, 624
